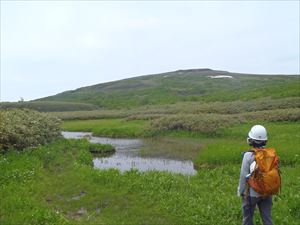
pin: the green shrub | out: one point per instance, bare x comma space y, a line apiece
211, 123
151, 112
203, 123
292, 114
26, 128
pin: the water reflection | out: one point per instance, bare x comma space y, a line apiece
128, 156
124, 147
145, 164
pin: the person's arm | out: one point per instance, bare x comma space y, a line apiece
245, 170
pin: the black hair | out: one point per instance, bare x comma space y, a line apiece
257, 143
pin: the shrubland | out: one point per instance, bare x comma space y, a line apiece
26, 128
211, 123
154, 111
154, 124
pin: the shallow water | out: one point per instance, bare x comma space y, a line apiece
128, 155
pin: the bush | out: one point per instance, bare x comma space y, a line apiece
210, 123
20, 129
203, 123
151, 112
274, 115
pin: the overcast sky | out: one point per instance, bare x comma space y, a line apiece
50, 47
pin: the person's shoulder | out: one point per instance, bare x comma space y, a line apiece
248, 154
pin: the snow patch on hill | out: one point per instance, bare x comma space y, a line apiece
220, 76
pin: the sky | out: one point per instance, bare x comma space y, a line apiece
48, 47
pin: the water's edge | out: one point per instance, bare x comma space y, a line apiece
127, 156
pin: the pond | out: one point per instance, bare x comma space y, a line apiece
141, 154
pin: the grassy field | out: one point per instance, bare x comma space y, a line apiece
283, 136
107, 127
56, 184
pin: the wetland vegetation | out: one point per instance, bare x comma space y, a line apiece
46, 179
56, 184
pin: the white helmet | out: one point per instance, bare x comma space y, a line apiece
258, 133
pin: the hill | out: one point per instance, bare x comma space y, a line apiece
183, 85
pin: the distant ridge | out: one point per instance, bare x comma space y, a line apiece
181, 85
204, 70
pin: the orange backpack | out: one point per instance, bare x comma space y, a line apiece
265, 178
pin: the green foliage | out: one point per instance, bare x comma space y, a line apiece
206, 123
211, 123
48, 106
26, 128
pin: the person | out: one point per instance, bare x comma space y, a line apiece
257, 138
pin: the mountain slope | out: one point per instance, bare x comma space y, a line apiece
182, 85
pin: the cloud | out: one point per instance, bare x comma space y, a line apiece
74, 43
